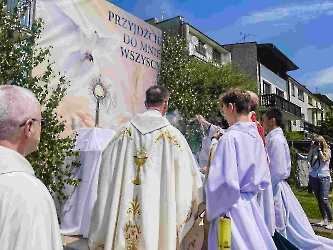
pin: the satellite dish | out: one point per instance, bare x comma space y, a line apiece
195, 40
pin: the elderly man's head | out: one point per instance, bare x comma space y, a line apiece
254, 101
20, 119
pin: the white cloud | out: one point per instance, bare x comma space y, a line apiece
303, 11
323, 77
280, 24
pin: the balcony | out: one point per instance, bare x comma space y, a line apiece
313, 129
275, 101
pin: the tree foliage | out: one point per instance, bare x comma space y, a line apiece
327, 126
195, 85
19, 55
294, 136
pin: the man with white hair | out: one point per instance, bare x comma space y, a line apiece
27, 212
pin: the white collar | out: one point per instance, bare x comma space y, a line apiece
154, 110
12, 161
274, 132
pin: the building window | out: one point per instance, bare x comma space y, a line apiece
292, 89
301, 95
266, 88
216, 56
279, 93
200, 48
27, 18
310, 100
301, 123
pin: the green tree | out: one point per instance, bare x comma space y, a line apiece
175, 72
19, 54
293, 136
195, 85
293, 177
327, 126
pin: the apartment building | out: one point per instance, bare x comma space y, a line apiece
313, 108
327, 106
199, 45
267, 65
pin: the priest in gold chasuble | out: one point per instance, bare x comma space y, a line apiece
149, 185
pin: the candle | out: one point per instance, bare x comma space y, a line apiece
224, 233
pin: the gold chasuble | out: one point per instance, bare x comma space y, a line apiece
149, 188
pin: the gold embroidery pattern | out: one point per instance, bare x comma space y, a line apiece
167, 135
192, 245
132, 229
140, 159
125, 131
189, 215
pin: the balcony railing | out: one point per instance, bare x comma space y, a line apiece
313, 129
275, 101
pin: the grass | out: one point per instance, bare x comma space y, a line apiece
308, 203
310, 207
327, 235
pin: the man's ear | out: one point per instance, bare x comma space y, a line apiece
274, 121
27, 128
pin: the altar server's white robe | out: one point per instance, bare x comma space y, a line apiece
28, 219
159, 211
291, 221
237, 174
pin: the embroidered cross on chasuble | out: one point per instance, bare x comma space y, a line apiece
149, 189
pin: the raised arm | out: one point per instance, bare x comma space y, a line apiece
324, 156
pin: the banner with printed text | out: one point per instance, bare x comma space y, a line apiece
92, 38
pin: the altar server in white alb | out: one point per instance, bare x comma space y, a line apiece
238, 172
291, 220
265, 197
149, 184
28, 217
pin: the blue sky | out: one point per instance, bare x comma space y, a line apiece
300, 29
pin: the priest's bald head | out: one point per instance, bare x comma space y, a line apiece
20, 119
157, 98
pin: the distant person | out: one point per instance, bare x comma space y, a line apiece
265, 197
28, 219
291, 221
238, 172
319, 177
